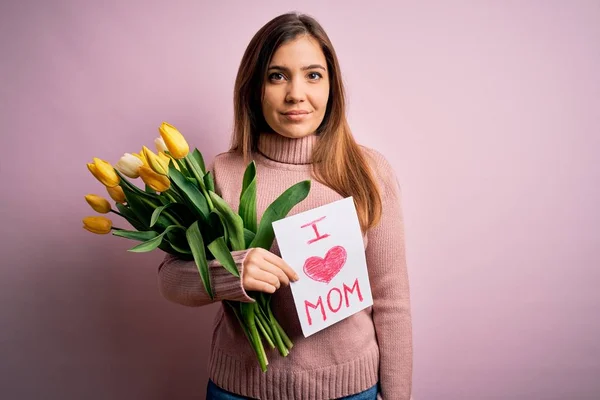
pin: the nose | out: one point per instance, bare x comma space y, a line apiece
295, 91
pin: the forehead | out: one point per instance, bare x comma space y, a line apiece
302, 51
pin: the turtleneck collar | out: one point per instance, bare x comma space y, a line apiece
285, 150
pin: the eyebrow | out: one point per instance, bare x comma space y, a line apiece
312, 66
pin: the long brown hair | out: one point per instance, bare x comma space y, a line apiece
338, 160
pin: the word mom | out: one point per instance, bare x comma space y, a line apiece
335, 305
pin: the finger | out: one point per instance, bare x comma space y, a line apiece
275, 270
265, 276
259, 286
279, 262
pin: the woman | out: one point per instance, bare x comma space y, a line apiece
290, 118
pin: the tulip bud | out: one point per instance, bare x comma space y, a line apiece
141, 157
155, 162
128, 165
164, 158
167, 159
104, 172
98, 203
174, 140
160, 145
158, 182
116, 193
98, 225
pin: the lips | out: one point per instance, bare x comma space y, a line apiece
296, 116
296, 112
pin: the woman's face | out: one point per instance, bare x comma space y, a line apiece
296, 88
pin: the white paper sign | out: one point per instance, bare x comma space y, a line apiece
325, 247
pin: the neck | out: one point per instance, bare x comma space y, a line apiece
285, 150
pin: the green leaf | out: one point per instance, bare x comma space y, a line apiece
144, 207
158, 211
233, 222
247, 208
221, 252
197, 156
180, 164
131, 217
189, 192
218, 225
135, 235
182, 212
178, 242
248, 237
249, 175
209, 182
164, 200
152, 243
195, 168
133, 188
197, 246
278, 210
148, 189
138, 207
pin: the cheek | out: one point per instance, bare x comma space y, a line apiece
321, 98
271, 98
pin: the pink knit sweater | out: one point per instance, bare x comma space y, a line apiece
348, 357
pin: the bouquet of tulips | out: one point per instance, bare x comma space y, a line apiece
179, 212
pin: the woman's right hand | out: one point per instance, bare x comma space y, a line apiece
266, 272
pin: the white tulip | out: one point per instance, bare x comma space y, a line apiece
160, 145
128, 165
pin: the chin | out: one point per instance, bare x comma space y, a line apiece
296, 132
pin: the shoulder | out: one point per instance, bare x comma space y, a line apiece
227, 165
225, 159
226, 162
382, 169
227, 169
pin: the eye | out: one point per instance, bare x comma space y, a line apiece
276, 76
314, 76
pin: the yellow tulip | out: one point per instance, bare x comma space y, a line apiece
160, 145
174, 140
116, 193
155, 162
104, 172
128, 165
158, 182
98, 225
141, 156
98, 203
166, 158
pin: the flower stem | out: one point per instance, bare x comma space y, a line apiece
118, 213
280, 346
247, 310
288, 343
172, 218
265, 329
170, 197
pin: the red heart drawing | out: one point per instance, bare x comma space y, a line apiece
324, 269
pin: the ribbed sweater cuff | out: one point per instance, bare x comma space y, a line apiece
227, 286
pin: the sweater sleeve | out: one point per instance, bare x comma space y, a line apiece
179, 281
388, 276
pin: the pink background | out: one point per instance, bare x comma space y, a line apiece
488, 110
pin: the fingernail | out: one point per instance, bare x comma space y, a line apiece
296, 277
